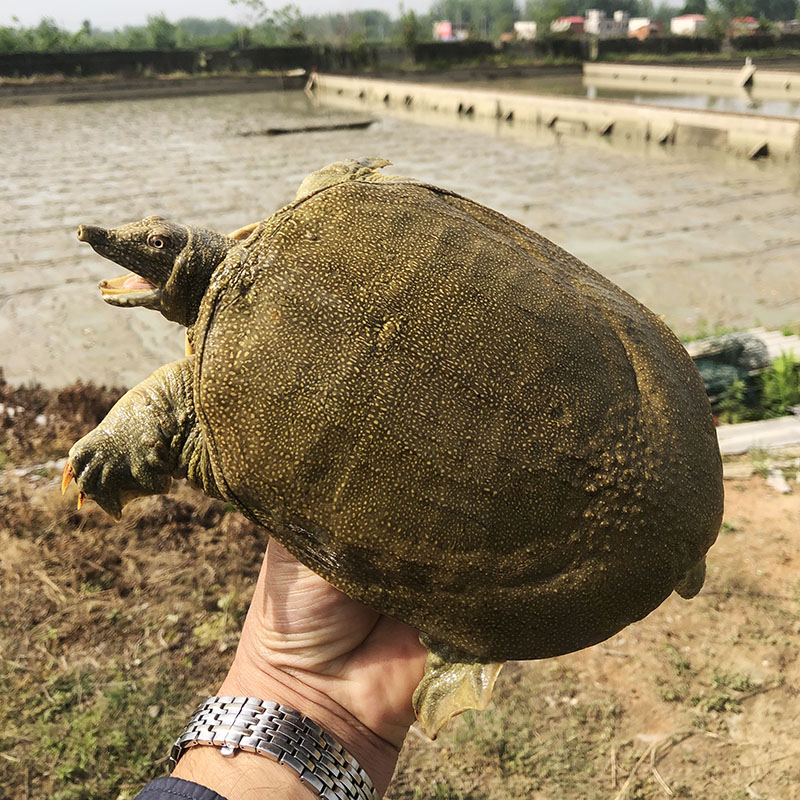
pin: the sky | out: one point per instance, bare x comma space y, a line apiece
108, 15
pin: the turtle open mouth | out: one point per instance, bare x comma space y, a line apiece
129, 290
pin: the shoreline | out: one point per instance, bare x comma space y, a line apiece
117, 87
57, 89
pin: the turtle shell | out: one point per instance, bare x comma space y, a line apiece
455, 421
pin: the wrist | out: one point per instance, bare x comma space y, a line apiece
377, 756
247, 775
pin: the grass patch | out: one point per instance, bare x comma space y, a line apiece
770, 394
99, 633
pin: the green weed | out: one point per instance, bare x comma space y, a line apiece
726, 693
679, 662
781, 385
732, 407
729, 527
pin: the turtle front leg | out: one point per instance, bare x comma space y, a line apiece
148, 438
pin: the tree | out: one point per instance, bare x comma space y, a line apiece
10, 40
161, 33
775, 9
694, 7
484, 18
49, 37
409, 30
377, 24
90, 38
273, 27
722, 13
543, 12
132, 38
289, 23
458, 12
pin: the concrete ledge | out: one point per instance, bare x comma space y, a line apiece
766, 434
747, 81
743, 135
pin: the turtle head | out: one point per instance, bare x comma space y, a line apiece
171, 264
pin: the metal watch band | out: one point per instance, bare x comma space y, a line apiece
283, 735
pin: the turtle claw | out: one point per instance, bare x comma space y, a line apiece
67, 477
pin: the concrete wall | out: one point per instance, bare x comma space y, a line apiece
656, 45
739, 134
139, 62
49, 93
762, 84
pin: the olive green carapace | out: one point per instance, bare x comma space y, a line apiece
456, 422
452, 420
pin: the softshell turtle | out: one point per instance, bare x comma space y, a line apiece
441, 412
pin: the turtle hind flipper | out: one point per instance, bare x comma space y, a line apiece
451, 687
692, 582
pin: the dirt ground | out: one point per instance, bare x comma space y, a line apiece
110, 633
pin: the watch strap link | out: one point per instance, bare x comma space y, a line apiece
281, 734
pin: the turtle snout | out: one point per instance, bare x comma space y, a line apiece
91, 234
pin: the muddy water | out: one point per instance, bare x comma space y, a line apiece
702, 243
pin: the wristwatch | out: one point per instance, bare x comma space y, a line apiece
281, 734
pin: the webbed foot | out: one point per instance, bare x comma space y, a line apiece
692, 582
105, 473
146, 439
450, 687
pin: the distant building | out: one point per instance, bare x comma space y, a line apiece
642, 27
567, 25
446, 31
597, 24
743, 26
621, 21
525, 31
688, 24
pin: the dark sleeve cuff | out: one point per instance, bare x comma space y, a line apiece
176, 789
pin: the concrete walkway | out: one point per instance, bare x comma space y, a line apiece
777, 343
741, 135
766, 434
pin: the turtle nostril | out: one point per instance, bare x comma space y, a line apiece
89, 233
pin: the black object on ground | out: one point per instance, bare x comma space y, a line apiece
337, 126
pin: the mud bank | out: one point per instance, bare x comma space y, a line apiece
49, 92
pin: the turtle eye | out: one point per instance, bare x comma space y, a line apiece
158, 240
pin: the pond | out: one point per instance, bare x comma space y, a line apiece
703, 243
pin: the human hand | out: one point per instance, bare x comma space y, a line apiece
307, 645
